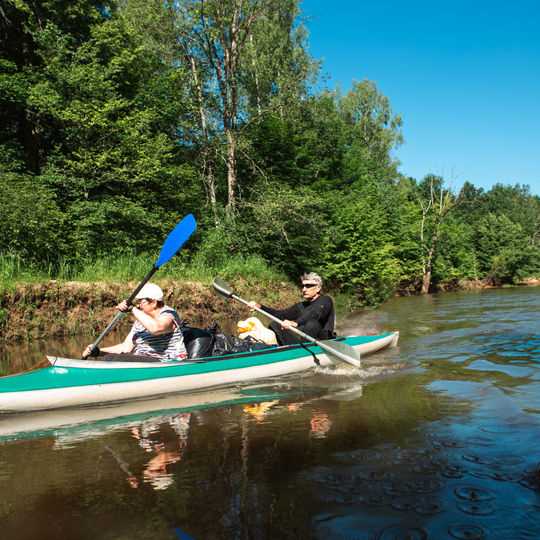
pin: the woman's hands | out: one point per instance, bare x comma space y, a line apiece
91, 350
124, 307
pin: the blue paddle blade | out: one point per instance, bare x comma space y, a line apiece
176, 239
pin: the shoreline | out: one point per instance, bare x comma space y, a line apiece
55, 309
62, 309
475, 284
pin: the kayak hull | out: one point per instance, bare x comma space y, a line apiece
76, 383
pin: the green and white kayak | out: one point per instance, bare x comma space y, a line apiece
75, 383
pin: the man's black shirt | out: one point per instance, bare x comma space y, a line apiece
320, 310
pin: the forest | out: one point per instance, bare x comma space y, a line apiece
119, 117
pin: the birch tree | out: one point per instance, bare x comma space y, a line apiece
436, 202
213, 35
241, 54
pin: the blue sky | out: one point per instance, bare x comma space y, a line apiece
464, 75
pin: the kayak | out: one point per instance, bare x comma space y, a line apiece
75, 383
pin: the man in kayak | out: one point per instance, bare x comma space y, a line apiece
314, 316
156, 332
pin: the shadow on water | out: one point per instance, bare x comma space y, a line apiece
435, 439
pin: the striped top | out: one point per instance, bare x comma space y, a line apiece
167, 346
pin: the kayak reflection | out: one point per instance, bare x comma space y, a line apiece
71, 425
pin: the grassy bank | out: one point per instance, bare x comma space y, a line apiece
70, 300
125, 267
80, 299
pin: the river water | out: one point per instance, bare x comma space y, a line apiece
437, 438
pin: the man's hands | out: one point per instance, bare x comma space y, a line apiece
286, 324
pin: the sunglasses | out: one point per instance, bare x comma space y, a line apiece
308, 285
141, 300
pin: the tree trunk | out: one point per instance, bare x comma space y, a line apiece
231, 172
427, 266
255, 76
30, 141
426, 282
207, 166
218, 33
210, 183
435, 209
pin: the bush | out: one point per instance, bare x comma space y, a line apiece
32, 225
284, 226
359, 252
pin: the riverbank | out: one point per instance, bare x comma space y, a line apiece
56, 308
60, 309
475, 284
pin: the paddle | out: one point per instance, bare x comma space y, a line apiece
339, 350
131, 478
176, 239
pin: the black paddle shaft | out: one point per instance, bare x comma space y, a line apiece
120, 315
174, 241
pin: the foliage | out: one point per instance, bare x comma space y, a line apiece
359, 251
32, 225
373, 132
504, 251
245, 58
285, 226
118, 117
456, 257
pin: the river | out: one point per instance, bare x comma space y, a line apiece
437, 438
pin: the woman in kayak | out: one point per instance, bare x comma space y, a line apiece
314, 316
156, 332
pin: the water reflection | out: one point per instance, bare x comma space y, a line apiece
319, 424
437, 439
164, 453
259, 410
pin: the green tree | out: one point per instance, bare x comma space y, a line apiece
305, 148
456, 257
501, 247
284, 226
117, 148
373, 133
237, 74
359, 253
32, 225
26, 136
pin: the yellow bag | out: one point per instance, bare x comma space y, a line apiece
255, 328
